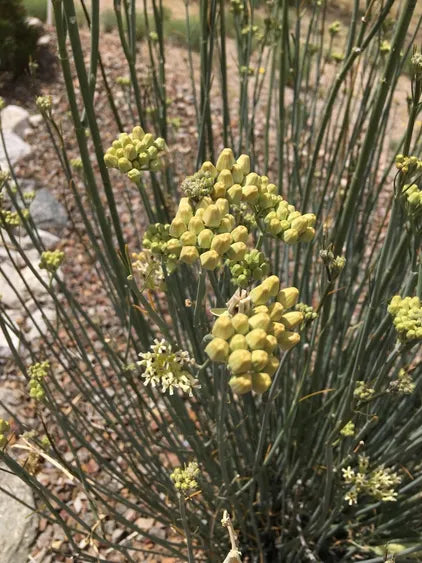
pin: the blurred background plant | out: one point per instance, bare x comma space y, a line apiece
324, 465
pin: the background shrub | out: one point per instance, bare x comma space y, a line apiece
36, 8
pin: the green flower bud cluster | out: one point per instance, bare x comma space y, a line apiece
248, 342
408, 164
133, 152
412, 195
403, 384
28, 196
147, 268
185, 479
309, 314
123, 81
253, 267
198, 185
385, 47
363, 392
407, 317
334, 28
12, 218
4, 430
236, 6
44, 103
334, 264
378, 483
348, 429
51, 260
416, 62
76, 163
37, 372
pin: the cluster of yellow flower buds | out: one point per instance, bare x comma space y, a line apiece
412, 195
408, 164
206, 232
407, 315
4, 430
185, 479
291, 226
133, 152
37, 372
51, 260
248, 341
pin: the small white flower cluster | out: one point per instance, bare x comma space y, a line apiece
165, 368
378, 483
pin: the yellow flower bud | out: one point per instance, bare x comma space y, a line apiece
226, 224
177, 227
240, 361
300, 225
223, 327
270, 343
205, 238
225, 160
288, 297
260, 382
277, 329
290, 236
226, 178
259, 295
272, 189
124, 164
241, 384
307, 235
210, 260
240, 234
274, 226
237, 173
221, 243
189, 254
210, 168
250, 193
196, 225
184, 211
235, 193
260, 309
245, 163
199, 213
272, 283
204, 203
260, 320
256, 339
138, 133
241, 323
238, 342
252, 178
292, 320
174, 246
219, 191
188, 239
211, 216
237, 251
275, 311
223, 206
130, 152
288, 340
111, 160
310, 218
259, 359
272, 365
217, 350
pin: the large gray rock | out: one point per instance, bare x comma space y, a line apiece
48, 213
16, 149
18, 523
14, 119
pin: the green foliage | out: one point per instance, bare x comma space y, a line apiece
215, 389
177, 32
17, 41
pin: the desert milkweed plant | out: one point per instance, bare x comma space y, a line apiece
264, 355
